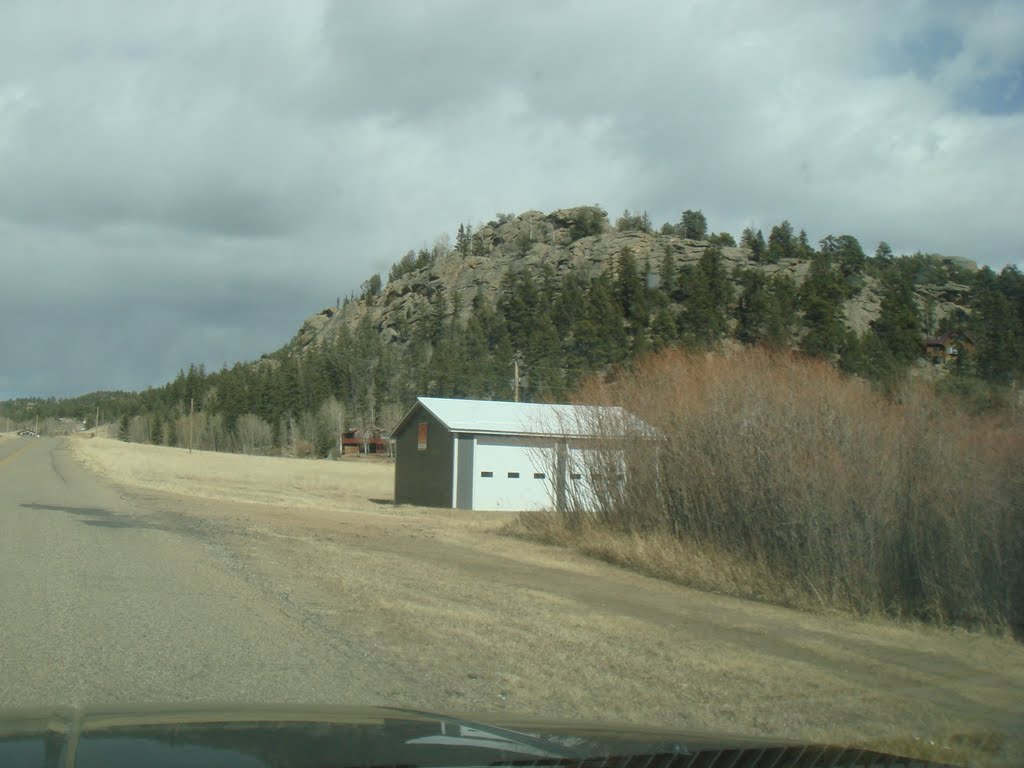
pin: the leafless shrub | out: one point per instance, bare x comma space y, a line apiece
253, 435
139, 429
910, 508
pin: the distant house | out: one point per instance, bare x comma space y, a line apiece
948, 347
365, 441
487, 455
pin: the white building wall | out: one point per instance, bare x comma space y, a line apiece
513, 473
583, 464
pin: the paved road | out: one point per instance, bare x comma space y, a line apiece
100, 603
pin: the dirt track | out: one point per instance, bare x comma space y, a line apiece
450, 615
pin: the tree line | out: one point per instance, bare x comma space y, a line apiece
554, 329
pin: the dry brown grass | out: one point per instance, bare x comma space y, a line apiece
665, 557
235, 477
436, 612
813, 487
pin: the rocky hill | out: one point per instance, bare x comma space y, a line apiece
535, 304
581, 239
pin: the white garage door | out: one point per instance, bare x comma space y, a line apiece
511, 473
592, 471
583, 463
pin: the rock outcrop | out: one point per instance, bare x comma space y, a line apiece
571, 239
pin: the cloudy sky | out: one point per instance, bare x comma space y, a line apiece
189, 181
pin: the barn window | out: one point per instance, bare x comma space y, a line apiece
539, 475
421, 438
486, 474
513, 475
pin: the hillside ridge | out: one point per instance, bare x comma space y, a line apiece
533, 241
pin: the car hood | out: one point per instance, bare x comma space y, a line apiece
296, 736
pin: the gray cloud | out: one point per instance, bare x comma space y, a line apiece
187, 181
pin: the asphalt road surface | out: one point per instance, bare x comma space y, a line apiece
101, 604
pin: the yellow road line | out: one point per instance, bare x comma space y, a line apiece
14, 455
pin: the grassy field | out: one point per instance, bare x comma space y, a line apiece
234, 477
455, 616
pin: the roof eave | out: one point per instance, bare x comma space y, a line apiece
405, 419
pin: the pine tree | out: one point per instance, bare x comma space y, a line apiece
371, 287
590, 221
723, 239
754, 241
544, 362
519, 305
845, 253
570, 302
693, 225
996, 326
663, 328
479, 249
778, 331
366, 355
230, 403
502, 370
852, 356
404, 266
898, 326
821, 299
877, 362
476, 356
318, 379
631, 291
464, 239
754, 306
437, 324
601, 337
444, 375
667, 273
781, 244
629, 222
803, 249
707, 293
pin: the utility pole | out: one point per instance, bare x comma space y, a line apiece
515, 379
191, 413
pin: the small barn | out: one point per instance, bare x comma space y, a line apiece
491, 455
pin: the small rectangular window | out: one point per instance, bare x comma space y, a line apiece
574, 475
421, 437
539, 475
486, 474
513, 474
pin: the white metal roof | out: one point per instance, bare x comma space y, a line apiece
505, 418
